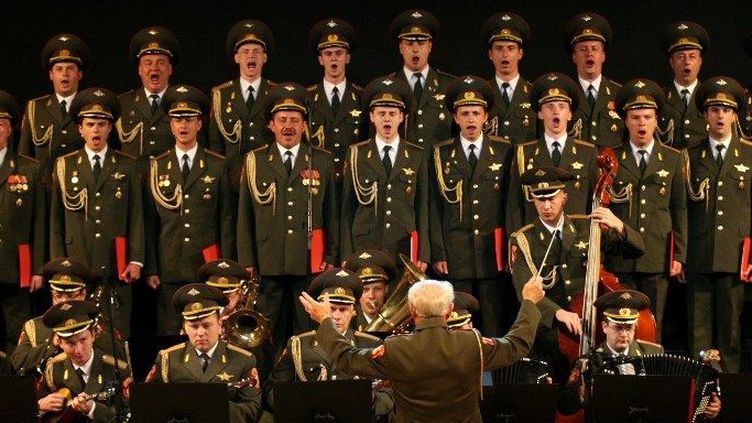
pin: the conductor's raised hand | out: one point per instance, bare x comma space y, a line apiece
318, 310
533, 290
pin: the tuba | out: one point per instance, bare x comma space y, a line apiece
246, 327
395, 317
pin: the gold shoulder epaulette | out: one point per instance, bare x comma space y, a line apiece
526, 143
615, 83
163, 155
60, 357
126, 155
239, 350
498, 139
641, 341
360, 144
357, 87
214, 153
110, 361
367, 336
440, 72
263, 147
125, 94
583, 143
271, 83
312, 88
322, 150
71, 154
417, 147
444, 143
309, 333
523, 229
224, 85
745, 142
173, 348
40, 98
669, 148
29, 158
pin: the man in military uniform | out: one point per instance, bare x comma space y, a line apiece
554, 97
469, 176
429, 120
47, 130
465, 307
595, 120
512, 116
22, 226
68, 280
747, 121
229, 277
685, 43
336, 119
238, 121
554, 249
143, 127
428, 383
277, 180
718, 216
190, 214
96, 211
82, 369
649, 194
385, 192
206, 358
304, 360
376, 269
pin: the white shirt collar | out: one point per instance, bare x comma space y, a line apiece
191, 155
714, 143
149, 94
244, 84
691, 87
329, 87
466, 145
380, 144
3, 153
210, 353
550, 142
86, 367
293, 150
512, 84
559, 226
648, 148
624, 353
596, 83
411, 79
68, 100
90, 154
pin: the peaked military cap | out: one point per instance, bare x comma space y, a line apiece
71, 317
331, 32
554, 87
226, 275
465, 305
684, 35
719, 91
8, 106
545, 181
184, 100
65, 47
587, 27
469, 90
622, 306
67, 275
154, 40
198, 300
339, 285
414, 25
639, 93
249, 31
387, 91
372, 266
288, 96
97, 103
506, 26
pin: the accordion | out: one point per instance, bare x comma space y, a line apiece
524, 372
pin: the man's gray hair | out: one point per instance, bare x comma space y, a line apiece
431, 298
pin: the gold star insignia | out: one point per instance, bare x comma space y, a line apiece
581, 245
355, 113
577, 165
408, 171
525, 105
118, 176
224, 377
208, 179
741, 168
439, 97
494, 167
662, 173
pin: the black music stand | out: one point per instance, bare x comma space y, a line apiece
143, 352
17, 399
736, 391
644, 399
179, 402
512, 403
328, 401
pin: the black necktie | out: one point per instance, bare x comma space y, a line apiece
591, 96
80, 373
63, 109
418, 87
505, 93
685, 97
154, 103
205, 357
719, 156
556, 153
643, 162
386, 160
288, 162
471, 157
250, 100
97, 169
335, 100
185, 169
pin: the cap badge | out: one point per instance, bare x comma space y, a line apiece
387, 82
222, 280
552, 77
506, 17
196, 306
98, 93
65, 307
540, 172
626, 296
505, 31
248, 25
65, 278
153, 32
66, 263
340, 291
366, 271
721, 82
416, 15
181, 105
454, 315
586, 18
342, 274
223, 265
64, 53
553, 92
639, 84
96, 108
331, 24
624, 312
63, 38
468, 80
193, 292
469, 95
153, 45
365, 255
289, 87
682, 27
181, 89
387, 96
332, 38
70, 322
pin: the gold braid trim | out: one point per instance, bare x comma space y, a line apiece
47, 136
165, 366
703, 190
73, 202
525, 247
576, 131
234, 136
480, 352
365, 195
174, 202
521, 170
491, 127
263, 198
443, 188
666, 135
31, 333
127, 137
623, 196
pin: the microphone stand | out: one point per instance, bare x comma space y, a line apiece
120, 413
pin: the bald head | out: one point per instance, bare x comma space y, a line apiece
431, 298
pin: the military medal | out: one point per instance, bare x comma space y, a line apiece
662, 191
526, 122
614, 128
74, 178
19, 202
119, 194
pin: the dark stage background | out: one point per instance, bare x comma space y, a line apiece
201, 26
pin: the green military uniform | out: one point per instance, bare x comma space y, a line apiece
372, 267
186, 219
599, 124
22, 225
577, 157
144, 128
69, 319
465, 306
653, 200
718, 216
466, 205
89, 214
380, 210
429, 121
183, 363
234, 129
512, 119
46, 132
